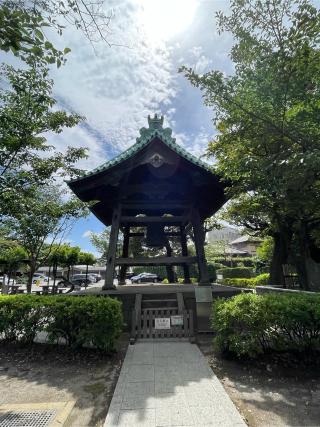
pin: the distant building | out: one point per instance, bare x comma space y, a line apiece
224, 234
246, 244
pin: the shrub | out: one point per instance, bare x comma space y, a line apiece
250, 324
21, 317
240, 283
212, 272
261, 280
78, 320
165, 281
193, 270
246, 261
236, 272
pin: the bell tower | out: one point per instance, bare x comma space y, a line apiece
159, 188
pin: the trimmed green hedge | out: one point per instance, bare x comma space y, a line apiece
261, 280
77, 320
246, 261
236, 272
251, 324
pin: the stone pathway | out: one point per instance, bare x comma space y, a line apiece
169, 384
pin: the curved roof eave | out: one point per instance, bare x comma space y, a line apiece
155, 130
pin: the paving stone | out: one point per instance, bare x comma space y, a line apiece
143, 387
140, 417
139, 401
138, 373
175, 416
168, 384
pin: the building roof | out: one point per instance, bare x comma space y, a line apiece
154, 170
233, 251
244, 239
155, 130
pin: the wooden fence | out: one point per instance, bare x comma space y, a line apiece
143, 323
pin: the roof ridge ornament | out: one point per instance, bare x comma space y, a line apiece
155, 122
155, 129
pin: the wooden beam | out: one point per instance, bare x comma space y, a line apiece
199, 237
125, 254
152, 219
155, 206
169, 267
184, 248
111, 256
141, 234
156, 261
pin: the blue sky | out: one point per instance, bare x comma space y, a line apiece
116, 87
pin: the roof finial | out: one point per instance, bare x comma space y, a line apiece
156, 122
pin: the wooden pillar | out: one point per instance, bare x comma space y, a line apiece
184, 247
199, 238
125, 254
112, 249
169, 268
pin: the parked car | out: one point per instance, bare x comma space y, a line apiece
77, 280
129, 274
91, 278
64, 283
96, 276
41, 277
145, 278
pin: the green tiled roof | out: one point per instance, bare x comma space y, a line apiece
146, 135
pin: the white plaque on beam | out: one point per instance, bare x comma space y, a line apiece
162, 323
203, 293
177, 320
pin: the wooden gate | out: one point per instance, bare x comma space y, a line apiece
178, 322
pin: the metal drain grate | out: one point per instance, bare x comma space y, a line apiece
27, 418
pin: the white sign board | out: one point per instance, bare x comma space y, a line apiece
162, 323
177, 320
203, 294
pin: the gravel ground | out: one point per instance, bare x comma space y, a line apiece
273, 391
47, 373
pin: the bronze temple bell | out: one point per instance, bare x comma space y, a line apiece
156, 237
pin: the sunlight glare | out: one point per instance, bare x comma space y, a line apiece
163, 19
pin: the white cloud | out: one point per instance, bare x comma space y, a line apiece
119, 86
86, 234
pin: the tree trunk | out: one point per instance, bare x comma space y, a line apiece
303, 258
279, 257
55, 266
169, 268
30, 276
86, 284
9, 278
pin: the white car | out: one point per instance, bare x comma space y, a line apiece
41, 277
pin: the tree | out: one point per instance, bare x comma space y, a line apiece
26, 114
267, 114
23, 25
71, 258
265, 251
87, 259
12, 258
43, 220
